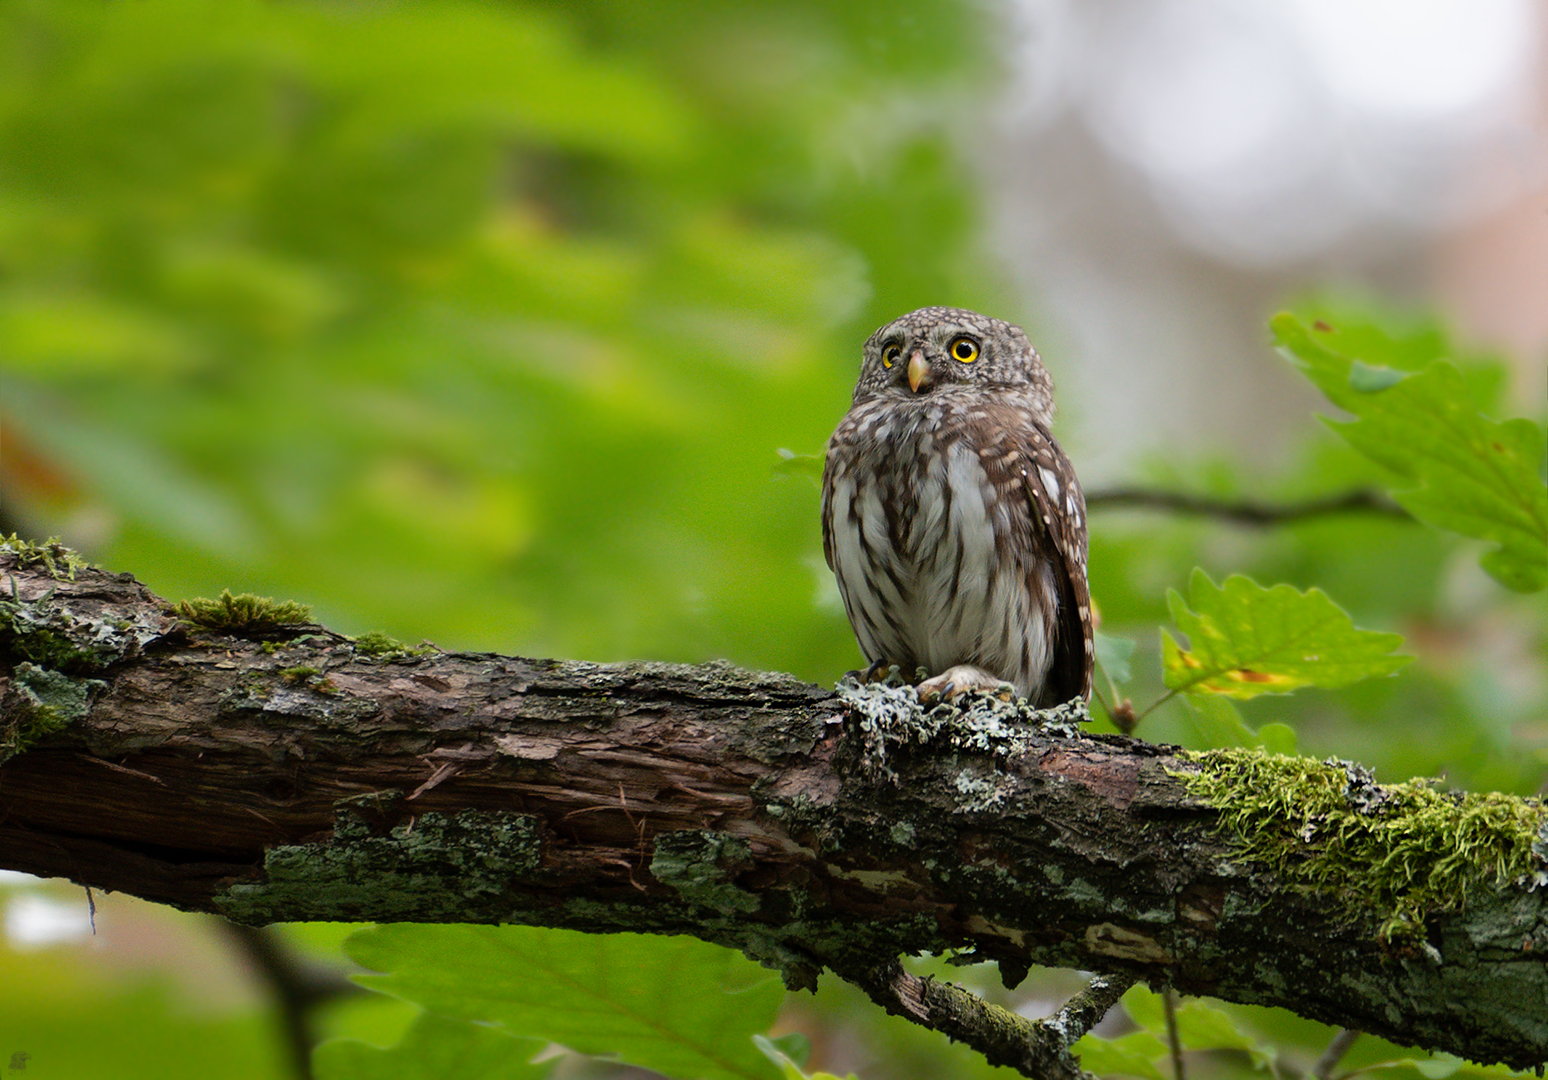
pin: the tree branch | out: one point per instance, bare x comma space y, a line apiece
1036, 1048
295, 988
1323, 1069
295, 774
1244, 511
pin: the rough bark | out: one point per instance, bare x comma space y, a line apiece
291, 773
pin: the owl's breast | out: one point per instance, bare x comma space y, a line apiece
918, 539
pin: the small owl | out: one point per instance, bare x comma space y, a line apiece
952, 519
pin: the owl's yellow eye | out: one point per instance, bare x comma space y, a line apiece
890, 355
964, 349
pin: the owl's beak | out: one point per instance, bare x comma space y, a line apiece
919, 373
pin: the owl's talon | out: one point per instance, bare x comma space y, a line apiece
877, 672
933, 690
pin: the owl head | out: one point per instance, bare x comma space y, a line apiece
938, 351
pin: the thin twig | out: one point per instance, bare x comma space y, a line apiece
1247, 511
1096, 692
1335, 1052
295, 987
1035, 1048
1169, 1006
1153, 706
1085, 1010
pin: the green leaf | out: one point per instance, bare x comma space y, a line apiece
1436, 1067
791, 463
1217, 722
1370, 380
1293, 1035
659, 1003
1246, 640
1469, 474
793, 1045
1113, 654
1200, 1026
1279, 739
435, 1048
788, 1068
1408, 341
1135, 1054
779, 1051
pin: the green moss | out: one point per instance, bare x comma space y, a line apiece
62, 562
376, 645
243, 615
1406, 851
299, 674
43, 645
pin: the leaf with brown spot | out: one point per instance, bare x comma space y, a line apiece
1245, 640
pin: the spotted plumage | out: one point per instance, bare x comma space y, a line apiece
950, 516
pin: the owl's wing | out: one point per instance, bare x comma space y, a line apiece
1046, 479
827, 502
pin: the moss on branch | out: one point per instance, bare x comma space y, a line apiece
1406, 851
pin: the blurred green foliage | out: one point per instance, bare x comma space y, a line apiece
474, 322
1459, 470
487, 323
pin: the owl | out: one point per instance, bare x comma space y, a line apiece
952, 519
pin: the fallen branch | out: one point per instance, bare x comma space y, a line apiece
286, 772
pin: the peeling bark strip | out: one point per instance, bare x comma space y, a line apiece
295, 774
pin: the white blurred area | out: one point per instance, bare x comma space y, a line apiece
1170, 172
125, 942
33, 921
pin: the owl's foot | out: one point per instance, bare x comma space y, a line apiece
957, 680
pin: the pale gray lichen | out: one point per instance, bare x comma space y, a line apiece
977, 794
435, 866
890, 718
50, 701
53, 636
288, 700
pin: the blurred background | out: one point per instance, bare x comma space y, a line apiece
498, 324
